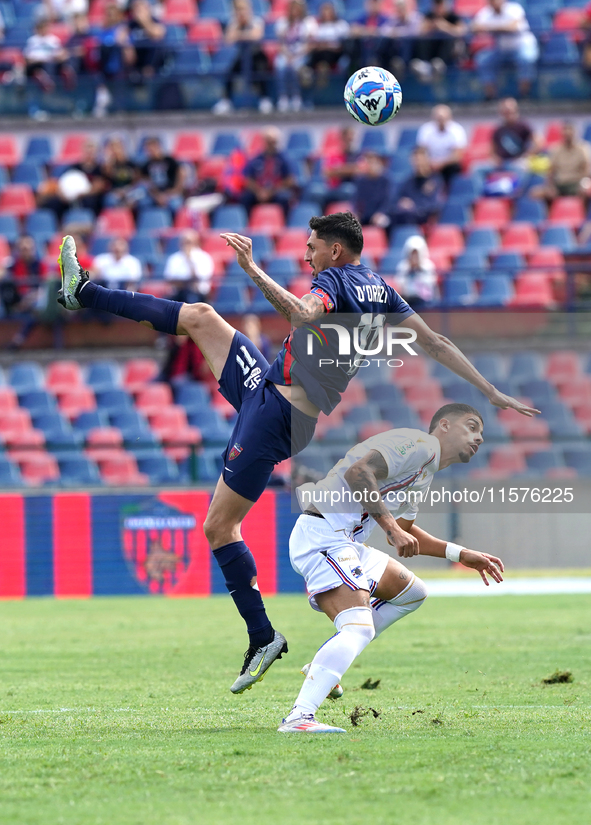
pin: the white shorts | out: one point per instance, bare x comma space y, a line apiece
327, 559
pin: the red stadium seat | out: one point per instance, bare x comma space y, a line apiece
76, 401
563, 366
331, 142
8, 400
447, 238
120, 470
17, 199
441, 260
374, 428
5, 252
278, 9
354, 396
179, 13
553, 134
62, 30
217, 247
292, 242
170, 424
14, 422
583, 415
138, 372
212, 168
520, 237
576, 392
570, 20
255, 144
479, 146
102, 441
411, 372
154, 397
9, 153
468, 8
508, 460
116, 220
23, 442
375, 242
207, 31
299, 286
267, 217
521, 427
63, 376
38, 467
533, 289
337, 206
550, 256
568, 211
72, 148
188, 147
425, 396
96, 13
493, 212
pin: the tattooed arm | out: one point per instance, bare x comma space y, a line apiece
298, 311
362, 477
445, 351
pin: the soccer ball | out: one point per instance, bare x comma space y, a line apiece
373, 96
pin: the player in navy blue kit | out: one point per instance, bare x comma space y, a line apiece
277, 404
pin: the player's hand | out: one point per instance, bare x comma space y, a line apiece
484, 563
405, 544
242, 246
507, 402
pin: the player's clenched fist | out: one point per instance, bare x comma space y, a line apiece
405, 544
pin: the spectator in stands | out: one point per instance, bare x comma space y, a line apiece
22, 276
400, 33
416, 278
251, 65
372, 191
513, 138
117, 269
116, 54
327, 50
190, 270
64, 9
79, 43
339, 164
445, 142
120, 173
421, 196
251, 327
90, 165
268, 177
441, 43
514, 44
570, 168
368, 31
295, 33
45, 56
162, 177
146, 34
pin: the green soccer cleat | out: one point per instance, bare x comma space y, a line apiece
74, 278
257, 660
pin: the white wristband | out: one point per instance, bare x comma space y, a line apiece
452, 551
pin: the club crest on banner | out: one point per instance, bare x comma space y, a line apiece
156, 543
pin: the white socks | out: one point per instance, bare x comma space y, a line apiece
386, 613
355, 631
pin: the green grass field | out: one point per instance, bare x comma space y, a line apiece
118, 711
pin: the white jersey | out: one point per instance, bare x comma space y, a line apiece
412, 457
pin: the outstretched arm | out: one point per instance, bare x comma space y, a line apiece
431, 546
298, 311
362, 477
445, 351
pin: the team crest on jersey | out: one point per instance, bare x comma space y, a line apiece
357, 572
404, 448
324, 296
156, 544
235, 452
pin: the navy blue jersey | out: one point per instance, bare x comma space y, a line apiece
362, 300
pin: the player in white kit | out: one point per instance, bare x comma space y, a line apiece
363, 590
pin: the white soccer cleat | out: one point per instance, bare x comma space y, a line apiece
337, 690
306, 723
73, 276
257, 660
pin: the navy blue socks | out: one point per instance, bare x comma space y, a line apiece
161, 313
239, 568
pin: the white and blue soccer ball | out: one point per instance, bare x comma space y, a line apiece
373, 96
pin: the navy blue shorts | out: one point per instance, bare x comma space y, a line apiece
268, 429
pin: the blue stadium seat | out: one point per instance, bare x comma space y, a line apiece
464, 189
4, 179
455, 213
172, 244
103, 375
191, 394
114, 401
407, 138
28, 172
579, 458
473, 258
259, 305
212, 425
374, 140
90, 420
231, 299
561, 421
209, 465
222, 59
401, 233
100, 244
545, 460
37, 401
490, 366
232, 217
236, 275
315, 458
530, 210
525, 366
458, 291
483, 238
39, 149
384, 394
191, 60
134, 428
540, 22
18, 34
80, 216
41, 224
159, 469
495, 292
78, 471
345, 434
26, 377
10, 475
540, 391
282, 269
464, 393
145, 247
561, 236
153, 219
507, 261
9, 228
301, 213
559, 50
299, 145
587, 132
175, 36
262, 246
403, 416
225, 143
219, 9
361, 415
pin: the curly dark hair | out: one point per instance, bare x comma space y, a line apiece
342, 227
453, 409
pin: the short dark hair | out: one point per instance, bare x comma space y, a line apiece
453, 409
342, 227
